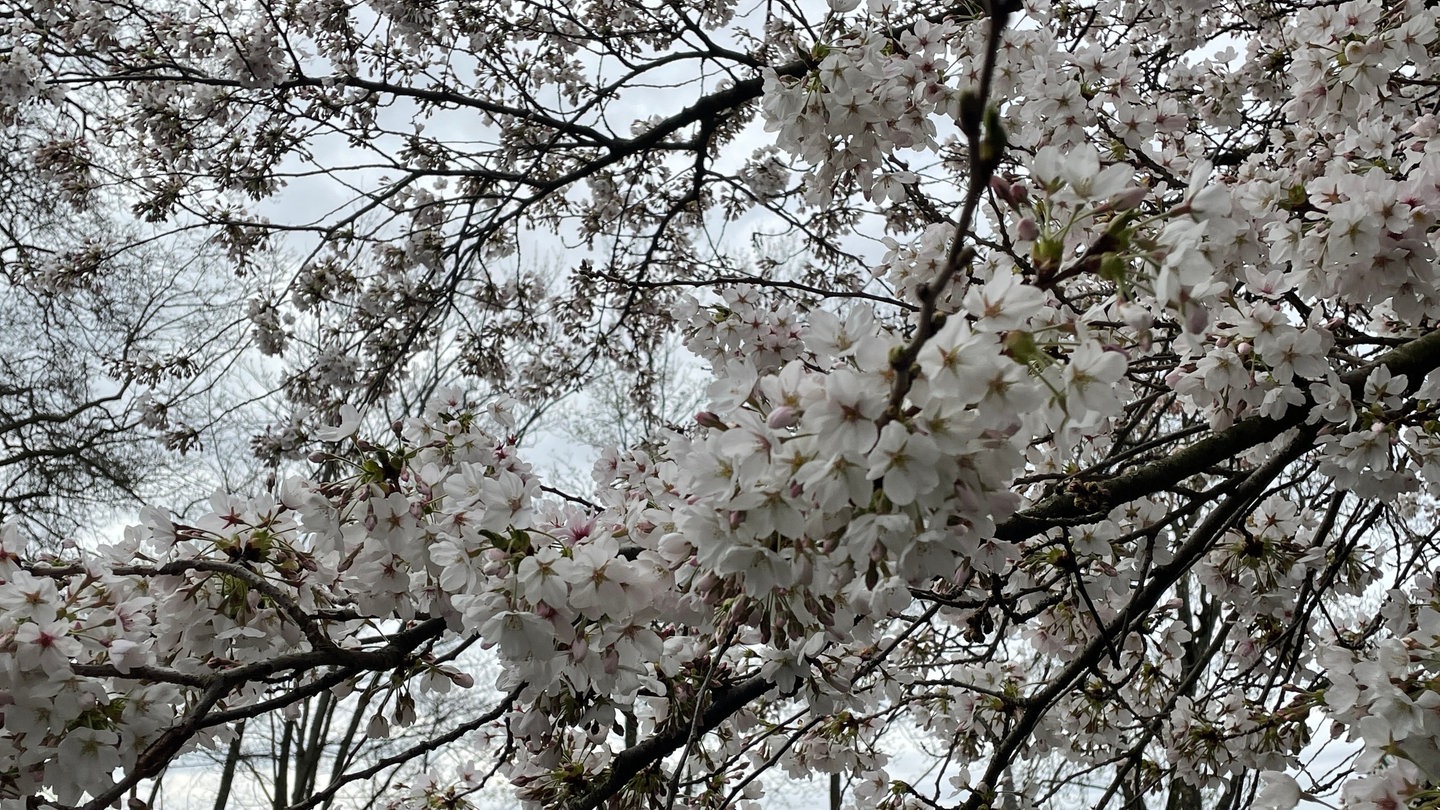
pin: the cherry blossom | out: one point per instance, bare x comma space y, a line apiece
1079, 418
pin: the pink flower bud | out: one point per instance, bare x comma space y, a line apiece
707, 582
739, 612
1001, 188
1196, 319
1244, 349
1020, 192
709, 419
783, 417
1026, 230
1127, 199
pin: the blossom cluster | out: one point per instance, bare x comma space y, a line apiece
1110, 465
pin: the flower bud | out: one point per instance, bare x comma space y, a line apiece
708, 583
897, 356
709, 419
1196, 319
782, 417
378, 728
1026, 230
1001, 188
1127, 199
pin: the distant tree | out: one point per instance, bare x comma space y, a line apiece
112, 345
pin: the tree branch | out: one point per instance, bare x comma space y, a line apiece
1415, 359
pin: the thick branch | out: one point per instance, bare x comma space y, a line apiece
633, 760
1165, 577
1415, 359
169, 744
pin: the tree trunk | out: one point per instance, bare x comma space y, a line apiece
227, 776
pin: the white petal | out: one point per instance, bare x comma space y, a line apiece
349, 423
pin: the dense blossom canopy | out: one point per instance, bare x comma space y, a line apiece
1088, 430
